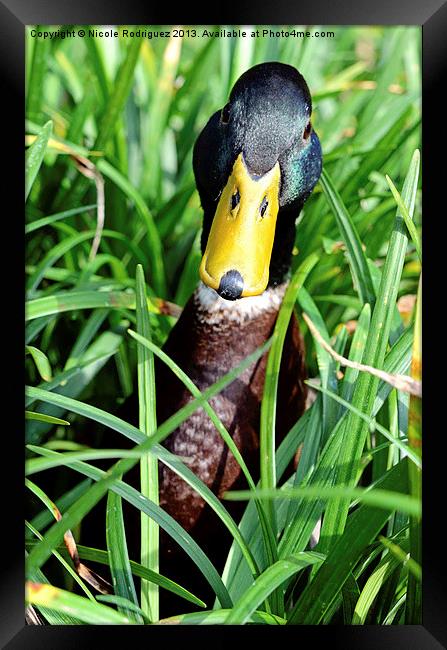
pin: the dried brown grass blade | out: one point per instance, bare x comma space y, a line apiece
89, 170
400, 382
92, 578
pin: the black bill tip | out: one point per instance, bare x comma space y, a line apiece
231, 285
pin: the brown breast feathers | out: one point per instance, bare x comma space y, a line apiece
211, 337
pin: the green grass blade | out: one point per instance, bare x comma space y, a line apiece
41, 417
85, 337
376, 498
51, 507
297, 535
387, 72
406, 217
147, 343
121, 88
71, 300
367, 385
36, 85
97, 555
103, 347
403, 556
55, 254
102, 557
357, 258
364, 524
373, 424
34, 156
267, 582
235, 575
51, 616
372, 587
35, 465
148, 464
118, 556
159, 109
195, 392
39, 554
219, 617
268, 405
124, 604
41, 361
267, 435
45, 221
153, 237
97, 64
64, 563
356, 353
85, 610
44, 517
115, 104
165, 521
326, 367
130, 431
70, 242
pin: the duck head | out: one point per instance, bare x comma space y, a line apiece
255, 163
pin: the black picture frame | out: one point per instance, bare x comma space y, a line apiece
432, 16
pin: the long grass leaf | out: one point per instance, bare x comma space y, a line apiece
71, 300
268, 405
272, 578
51, 616
118, 556
38, 555
366, 388
165, 521
407, 451
377, 498
267, 435
148, 464
109, 118
357, 258
268, 535
34, 99
364, 524
406, 217
41, 361
219, 617
34, 156
102, 557
153, 237
45, 221
63, 601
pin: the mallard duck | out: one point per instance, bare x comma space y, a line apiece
255, 163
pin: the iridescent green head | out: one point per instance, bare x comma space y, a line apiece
255, 162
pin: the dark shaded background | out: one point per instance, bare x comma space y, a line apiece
432, 14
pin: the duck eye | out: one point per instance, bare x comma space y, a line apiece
236, 197
225, 114
307, 130
263, 206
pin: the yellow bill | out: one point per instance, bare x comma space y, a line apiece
241, 237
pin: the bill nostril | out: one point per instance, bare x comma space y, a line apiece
231, 285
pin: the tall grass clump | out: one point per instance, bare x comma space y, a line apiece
112, 254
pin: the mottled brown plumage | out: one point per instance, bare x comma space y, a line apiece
206, 351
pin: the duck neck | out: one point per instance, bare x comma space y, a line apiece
216, 311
